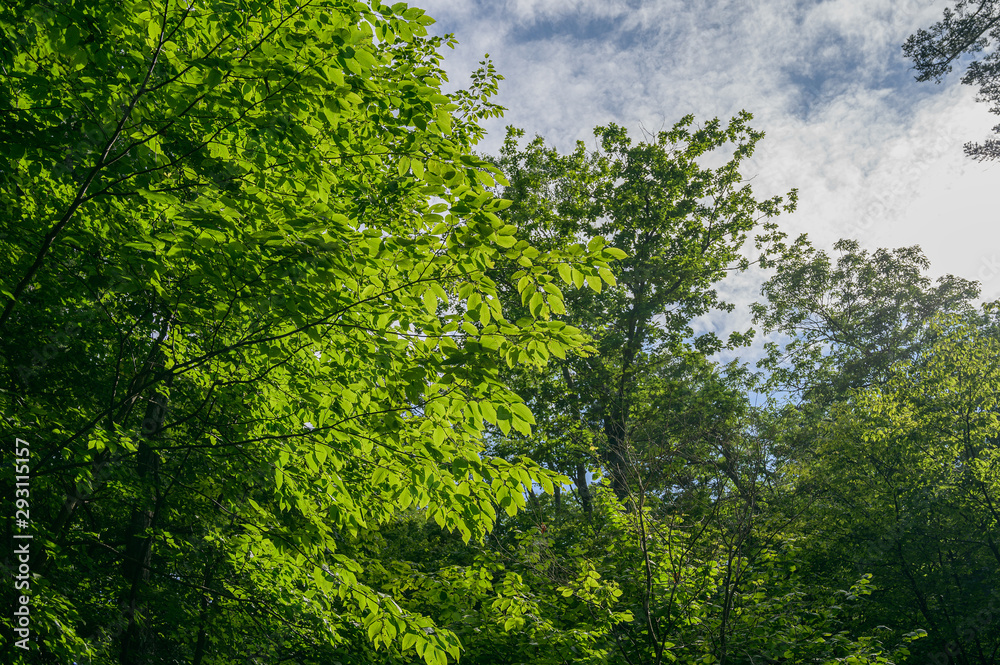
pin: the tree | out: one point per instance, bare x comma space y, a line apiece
247, 319
967, 29
850, 457
676, 538
907, 472
681, 227
850, 322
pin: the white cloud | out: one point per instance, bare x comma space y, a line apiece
876, 156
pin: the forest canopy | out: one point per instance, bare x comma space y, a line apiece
293, 373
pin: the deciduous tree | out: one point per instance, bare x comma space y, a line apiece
680, 225
236, 237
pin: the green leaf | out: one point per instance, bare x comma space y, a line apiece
503, 419
607, 276
430, 302
521, 410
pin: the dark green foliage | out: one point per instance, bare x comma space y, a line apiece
968, 28
850, 321
300, 387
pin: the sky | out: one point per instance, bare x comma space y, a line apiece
875, 155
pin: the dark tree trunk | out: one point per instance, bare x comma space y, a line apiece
139, 538
199, 648
583, 489
616, 460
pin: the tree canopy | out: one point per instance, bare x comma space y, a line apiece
292, 374
236, 237
968, 28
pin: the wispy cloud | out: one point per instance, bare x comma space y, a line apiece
876, 156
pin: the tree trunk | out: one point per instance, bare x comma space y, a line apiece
616, 458
199, 648
583, 489
139, 538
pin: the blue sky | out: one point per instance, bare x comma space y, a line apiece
876, 156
